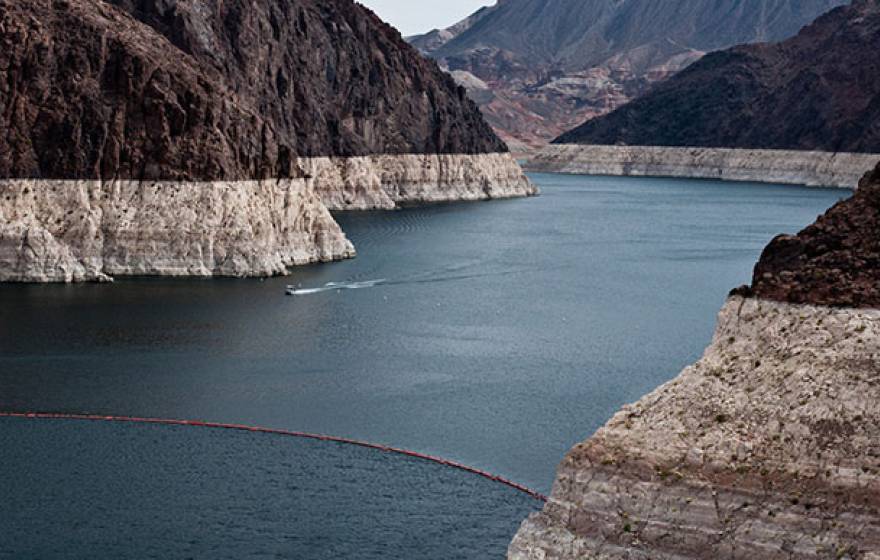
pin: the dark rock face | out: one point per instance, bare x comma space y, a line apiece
817, 91
834, 262
547, 65
204, 90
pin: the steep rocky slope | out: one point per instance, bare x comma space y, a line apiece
540, 67
769, 446
117, 112
817, 91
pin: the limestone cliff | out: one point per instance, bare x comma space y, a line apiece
769, 446
217, 115
388, 181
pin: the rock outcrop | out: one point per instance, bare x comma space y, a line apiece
71, 231
811, 168
834, 262
768, 447
103, 101
816, 91
541, 67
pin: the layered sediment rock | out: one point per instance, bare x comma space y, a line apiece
92, 230
825, 169
234, 122
768, 447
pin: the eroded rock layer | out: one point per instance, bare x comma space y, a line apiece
65, 231
387, 181
822, 169
768, 447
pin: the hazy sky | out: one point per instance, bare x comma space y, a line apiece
419, 16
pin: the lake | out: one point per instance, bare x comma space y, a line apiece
496, 334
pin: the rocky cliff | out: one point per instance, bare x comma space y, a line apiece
817, 91
769, 446
834, 262
113, 107
541, 67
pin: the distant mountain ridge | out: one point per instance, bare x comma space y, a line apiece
817, 91
543, 66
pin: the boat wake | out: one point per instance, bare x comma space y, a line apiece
331, 286
453, 274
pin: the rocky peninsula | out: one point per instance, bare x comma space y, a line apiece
181, 137
769, 446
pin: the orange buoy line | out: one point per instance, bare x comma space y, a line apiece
277, 432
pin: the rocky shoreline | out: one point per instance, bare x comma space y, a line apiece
73, 231
815, 169
769, 446
386, 182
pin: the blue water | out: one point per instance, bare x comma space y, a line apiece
87, 491
496, 334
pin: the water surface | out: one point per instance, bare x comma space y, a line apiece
85, 490
495, 334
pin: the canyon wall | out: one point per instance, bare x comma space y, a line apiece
92, 230
71, 231
769, 446
824, 169
183, 137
